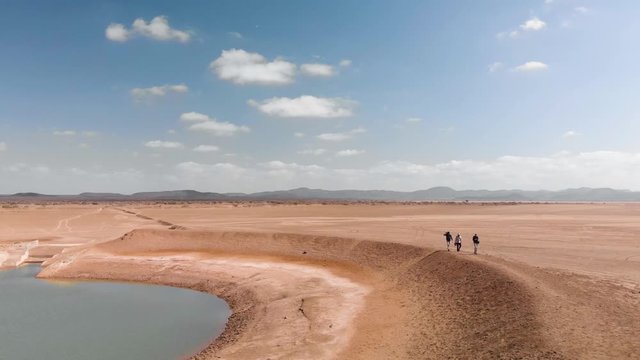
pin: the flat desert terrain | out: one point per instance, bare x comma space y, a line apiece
365, 280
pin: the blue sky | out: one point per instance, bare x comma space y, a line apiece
261, 95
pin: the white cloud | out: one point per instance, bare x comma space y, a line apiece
277, 165
194, 117
194, 167
159, 144
531, 66
299, 135
533, 24
219, 128
3, 146
305, 106
281, 165
312, 152
117, 32
345, 63
341, 136
349, 152
206, 148
64, 133
277, 169
157, 91
496, 66
242, 67
413, 120
235, 34
334, 136
569, 134
157, 29
320, 70
207, 124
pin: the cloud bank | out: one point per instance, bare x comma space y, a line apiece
555, 172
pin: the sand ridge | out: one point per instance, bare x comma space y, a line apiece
419, 299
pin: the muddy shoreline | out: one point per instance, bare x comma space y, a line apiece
280, 305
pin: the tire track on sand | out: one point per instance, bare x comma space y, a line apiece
65, 222
168, 224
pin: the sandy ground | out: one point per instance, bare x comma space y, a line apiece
366, 281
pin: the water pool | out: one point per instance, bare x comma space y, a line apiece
102, 320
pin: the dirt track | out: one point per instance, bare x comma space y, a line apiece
400, 301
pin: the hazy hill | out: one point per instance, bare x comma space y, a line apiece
433, 194
177, 195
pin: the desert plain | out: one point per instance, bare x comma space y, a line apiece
364, 280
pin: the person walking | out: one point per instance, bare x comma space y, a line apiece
448, 237
476, 243
458, 242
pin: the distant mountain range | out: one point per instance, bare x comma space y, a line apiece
432, 194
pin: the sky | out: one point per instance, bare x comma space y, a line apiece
244, 96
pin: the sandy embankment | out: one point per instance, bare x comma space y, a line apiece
552, 280
15, 254
313, 297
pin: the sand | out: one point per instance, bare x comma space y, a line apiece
366, 281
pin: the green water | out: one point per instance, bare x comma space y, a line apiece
102, 320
